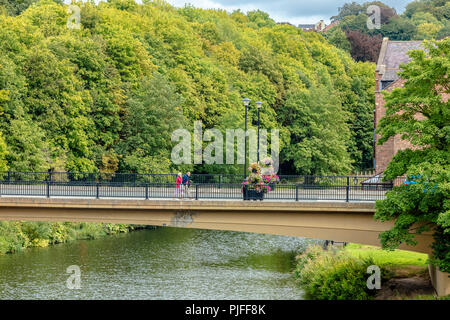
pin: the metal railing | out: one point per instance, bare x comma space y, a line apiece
203, 186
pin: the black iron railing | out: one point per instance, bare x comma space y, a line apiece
203, 186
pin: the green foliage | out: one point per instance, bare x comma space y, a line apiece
328, 275
27, 149
318, 132
421, 20
444, 32
338, 38
348, 9
107, 96
153, 113
426, 82
3, 154
361, 114
441, 245
16, 236
419, 114
399, 29
15, 7
260, 19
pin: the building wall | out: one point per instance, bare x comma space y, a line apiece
385, 152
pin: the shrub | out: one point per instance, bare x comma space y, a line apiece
16, 235
333, 275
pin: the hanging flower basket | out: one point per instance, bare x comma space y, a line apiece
261, 179
268, 173
252, 194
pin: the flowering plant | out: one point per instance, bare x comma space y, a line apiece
269, 179
266, 162
268, 172
261, 176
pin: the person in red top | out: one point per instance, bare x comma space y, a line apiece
178, 190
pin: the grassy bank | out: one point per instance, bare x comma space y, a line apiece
16, 235
387, 258
341, 273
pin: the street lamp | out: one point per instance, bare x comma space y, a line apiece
246, 102
258, 105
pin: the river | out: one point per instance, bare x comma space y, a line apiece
162, 263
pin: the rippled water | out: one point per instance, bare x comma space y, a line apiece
164, 263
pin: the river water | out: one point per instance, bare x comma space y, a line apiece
163, 263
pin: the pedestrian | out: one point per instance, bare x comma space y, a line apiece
186, 184
179, 188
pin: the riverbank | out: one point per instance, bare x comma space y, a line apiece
17, 235
341, 273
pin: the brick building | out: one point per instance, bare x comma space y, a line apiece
392, 54
317, 27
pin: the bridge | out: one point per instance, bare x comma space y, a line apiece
339, 221
318, 207
339, 209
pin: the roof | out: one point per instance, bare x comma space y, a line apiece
331, 25
284, 23
311, 26
392, 54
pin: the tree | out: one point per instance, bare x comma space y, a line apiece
27, 149
355, 23
360, 107
154, 112
422, 19
387, 14
3, 154
319, 134
444, 31
15, 7
420, 113
260, 19
413, 7
399, 28
338, 38
348, 9
363, 46
427, 25
83, 90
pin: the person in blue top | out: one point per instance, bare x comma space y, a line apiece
186, 184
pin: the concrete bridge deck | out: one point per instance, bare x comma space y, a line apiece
339, 221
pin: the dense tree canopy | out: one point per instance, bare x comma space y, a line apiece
106, 96
422, 19
420, 113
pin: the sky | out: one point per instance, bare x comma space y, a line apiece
293, 11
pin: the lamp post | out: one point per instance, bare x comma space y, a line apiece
258, 105
246, 102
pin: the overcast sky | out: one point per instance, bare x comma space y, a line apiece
293, 11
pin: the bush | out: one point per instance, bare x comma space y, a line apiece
331, 275
15, 235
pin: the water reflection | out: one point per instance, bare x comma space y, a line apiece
164, 263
